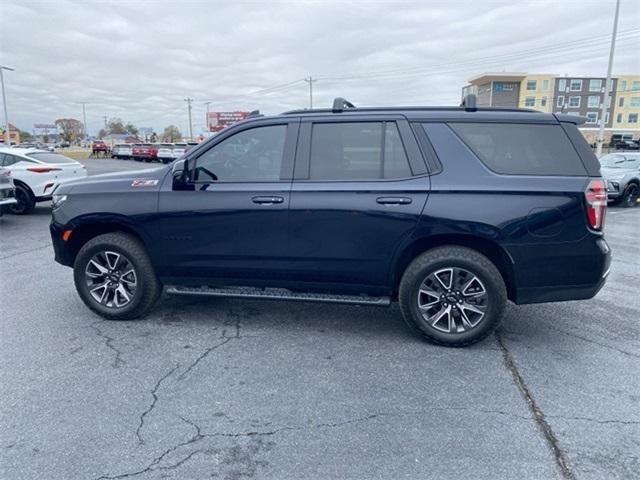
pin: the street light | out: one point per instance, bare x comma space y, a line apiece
7, 133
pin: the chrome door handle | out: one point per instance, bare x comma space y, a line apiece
393, 200
267, 200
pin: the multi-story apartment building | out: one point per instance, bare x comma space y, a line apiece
582, 96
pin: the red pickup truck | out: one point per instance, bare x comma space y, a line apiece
98, 147
145, 151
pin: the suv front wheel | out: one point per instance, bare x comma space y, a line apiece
114, 277
452, 296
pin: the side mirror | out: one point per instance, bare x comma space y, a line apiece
180, 174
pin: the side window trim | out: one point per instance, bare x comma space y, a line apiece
289, 149
433, 162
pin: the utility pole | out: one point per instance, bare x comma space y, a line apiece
206, 122
7, 133
607, 85
310, 81
105, 122
84, 118
189, 100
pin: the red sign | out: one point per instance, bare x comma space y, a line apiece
219, 120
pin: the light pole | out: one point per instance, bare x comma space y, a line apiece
7, 133
607, 85
206, 122
310, 81
189, 100
84, 118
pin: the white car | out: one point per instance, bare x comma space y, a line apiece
7, 190
36, 174
165, 152
122, 150
179, 149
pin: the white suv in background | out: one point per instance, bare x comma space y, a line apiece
179, 149
121, 150
165, 152
36, 174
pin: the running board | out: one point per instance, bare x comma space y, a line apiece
279, 294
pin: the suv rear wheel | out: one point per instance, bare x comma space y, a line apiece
452, 296
631, 195
114, 277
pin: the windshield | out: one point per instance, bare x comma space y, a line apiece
47, 157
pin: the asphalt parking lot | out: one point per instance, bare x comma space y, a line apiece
235, 389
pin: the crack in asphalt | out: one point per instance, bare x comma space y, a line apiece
589, 340
108, 341
198, 435
595, 420
226, 339
538, 414
154, 394
26, 251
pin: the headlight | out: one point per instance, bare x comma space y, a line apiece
57, 200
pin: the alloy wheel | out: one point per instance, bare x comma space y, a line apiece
111, 279
632, 195
452, 300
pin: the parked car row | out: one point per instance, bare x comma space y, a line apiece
36, 174
151, 152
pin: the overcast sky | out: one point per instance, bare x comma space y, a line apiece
139, 60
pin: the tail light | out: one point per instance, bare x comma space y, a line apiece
43, 169
596, 199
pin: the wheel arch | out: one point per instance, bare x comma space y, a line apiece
85, 231
25, 185
490, 249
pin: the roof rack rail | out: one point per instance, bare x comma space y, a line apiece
469, 102
340, 104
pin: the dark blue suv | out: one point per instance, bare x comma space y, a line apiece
450, 211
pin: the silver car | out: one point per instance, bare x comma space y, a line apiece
7, 190
621, 171
165, 152
122, 150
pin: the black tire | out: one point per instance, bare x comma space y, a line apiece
148, 288
463, 260
26, 202
630, 196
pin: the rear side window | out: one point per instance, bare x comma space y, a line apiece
357, 151
46, 157
521, 149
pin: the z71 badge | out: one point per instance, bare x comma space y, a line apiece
144, 183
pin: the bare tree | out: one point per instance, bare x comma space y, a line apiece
171, 134
70, 127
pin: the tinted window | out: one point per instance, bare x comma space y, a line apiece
10, 160
51, 157
357, 151
253, 155
521, 149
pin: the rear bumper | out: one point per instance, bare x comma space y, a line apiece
576, 271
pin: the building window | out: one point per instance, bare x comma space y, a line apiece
530, 101
574, 101
592, 117
636, 85
621, 102
543, 101
545, 85
633, 118
606, 118
593, 101
634, 102
595, 85
576, 85
622, 86
560, 102
562, 84
532, 84
619, 118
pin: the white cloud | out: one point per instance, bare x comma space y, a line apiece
139, 60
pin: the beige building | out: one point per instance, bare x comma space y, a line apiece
536, 92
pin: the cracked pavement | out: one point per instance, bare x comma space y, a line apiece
237, 389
